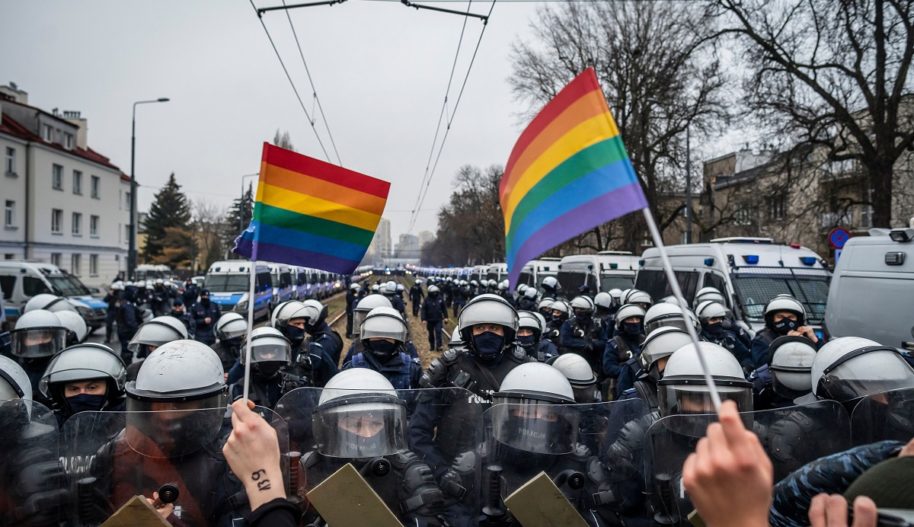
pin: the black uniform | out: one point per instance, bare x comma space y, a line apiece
205, 331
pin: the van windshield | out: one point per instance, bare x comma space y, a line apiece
755, 291
526, 277
67, 285
227, 283
608, 282
575, 282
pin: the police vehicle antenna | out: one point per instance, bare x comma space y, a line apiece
677, 292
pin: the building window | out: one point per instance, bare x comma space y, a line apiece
93, 226
76, 264
743, 216
777, 207
68, 141
46, 132
56, 221
127, 200
57, 177
9, 214
126, 233
77, 226
93, 265
55, 259
9, 256
77, 182
96, 183
9, 164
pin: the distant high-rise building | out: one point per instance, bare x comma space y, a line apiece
425, 237
381, 243
408, 246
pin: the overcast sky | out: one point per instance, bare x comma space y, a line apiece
380, 69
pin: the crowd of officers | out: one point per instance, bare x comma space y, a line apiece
530, 356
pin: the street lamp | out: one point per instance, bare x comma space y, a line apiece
688, 182
131, 251
241, 226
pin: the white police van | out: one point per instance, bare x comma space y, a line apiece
592, 273
229, 282
497, 271
872, 290
748, 271
21, 281
281, 277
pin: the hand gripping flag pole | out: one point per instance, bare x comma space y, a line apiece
568, 173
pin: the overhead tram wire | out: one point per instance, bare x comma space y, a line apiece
423, 192
291, 82
320, 107
447, 92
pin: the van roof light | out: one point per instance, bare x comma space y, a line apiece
750, 259
808, 260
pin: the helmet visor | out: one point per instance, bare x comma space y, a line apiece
534, 426
694, 397
673, 322
366, 429
37, 342
168, 429
874, 372
270, 353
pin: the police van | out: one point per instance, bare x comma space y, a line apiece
872, 290
748, 271
21, 281
281, 276
543, 267
593, 273
479, 272
229, 283
497, 271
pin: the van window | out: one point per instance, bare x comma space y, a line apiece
573, 281
526, 277
7, 283
285, 279
717, 282
756, 291
227, 283
654, 282
608, 282
32, 286
264, 282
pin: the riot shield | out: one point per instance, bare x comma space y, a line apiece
389, 439
582, 448
114, 456
791, 436
32, 482
881, 416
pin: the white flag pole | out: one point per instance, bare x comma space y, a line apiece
247, 351
677, 292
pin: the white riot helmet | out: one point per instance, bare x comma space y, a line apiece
603, 300
784, 303
400, 288
562, 307
492, 284
708, 293
376, 288
582, 303
365, 305
530, 293
847, 368
319, 306
281, 313
670, 300
638, 297
84, 362
521, 289
117, 286
14, 381
309, 312
683, 389
76, 326
551, 284
433, 289
616, 295
383, 323
359, 416
665, 314
38, 333
626, 312
545, 303
390, 288
577, 370
533, 410
790, 362
710, 309
659, 345
503, 285
529, 320
185, 377
231, 326
49, 302
270, 351
157, 332
456, 341
487, 309
355, 286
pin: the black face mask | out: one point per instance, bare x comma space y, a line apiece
785, 326
382, 349
85, 402
268, 369
488, 345
715, 330
582, 318
295, 335
527, 341
631, 329
205, 301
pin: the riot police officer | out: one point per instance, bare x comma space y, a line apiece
848, 368
230, 330
580, 374
785, 377
488, 326
390, 291
320, 332
583, 334
271, 353
433, 314
620, 357
37, 337
352, 294
313, 363
784, 315
84, 377
560, 312
712, 316
383, 337
76, 326
551, 287
416, 295
637, 297
128, 321
655, 351
206, 313
605, 310
530, 337
527, 300
150, 336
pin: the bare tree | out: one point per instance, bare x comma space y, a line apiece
834, 74
208, 229
656, 63
282, 140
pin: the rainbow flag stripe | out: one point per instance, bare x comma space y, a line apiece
568, 173
311, 213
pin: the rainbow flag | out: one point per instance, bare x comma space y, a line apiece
568, 173
311, 213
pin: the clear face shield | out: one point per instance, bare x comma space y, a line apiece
36, 343
680, 399
364, 428
168, 429
535, 426
674, 322
357, 318
865, 374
